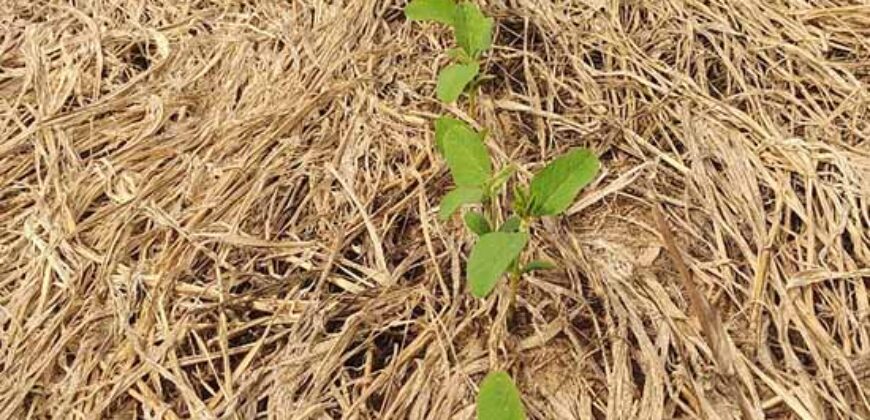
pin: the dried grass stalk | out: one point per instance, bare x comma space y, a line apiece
221, 209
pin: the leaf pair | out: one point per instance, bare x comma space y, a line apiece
473, 32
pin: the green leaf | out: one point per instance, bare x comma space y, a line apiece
499, 398
453, 200
466, 156
489, 259
473, 29
453, 79
477, 223
443, 11
512, 224
538, 265
442, 126
555, 187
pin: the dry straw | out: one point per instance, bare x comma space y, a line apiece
225, 209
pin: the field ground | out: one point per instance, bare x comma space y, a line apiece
226, 209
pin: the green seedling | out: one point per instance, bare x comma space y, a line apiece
473, 33
499, 248
551, 192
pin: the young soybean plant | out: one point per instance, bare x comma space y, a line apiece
550, 192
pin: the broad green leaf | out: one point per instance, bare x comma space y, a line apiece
442, 126
477, 223
555, 187
473, 29
499, 398
453, 200
466, 156
538, 265
512, 224
443, 11
489, 259
453, 79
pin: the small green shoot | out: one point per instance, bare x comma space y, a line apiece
522, 201
499, 398
458, 54
551, 192
499, 179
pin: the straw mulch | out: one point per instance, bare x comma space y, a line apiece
226, 209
